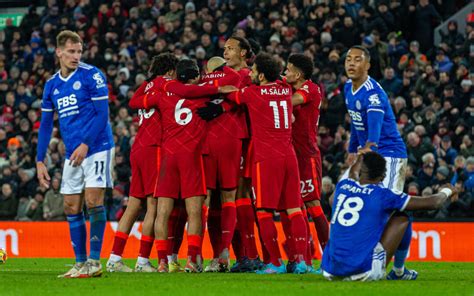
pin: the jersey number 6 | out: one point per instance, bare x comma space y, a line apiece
184, 115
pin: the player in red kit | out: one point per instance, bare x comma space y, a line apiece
307, 101
222, 160
275, 178
144, 161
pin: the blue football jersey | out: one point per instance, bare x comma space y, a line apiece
73, 99
370, 97
359, 216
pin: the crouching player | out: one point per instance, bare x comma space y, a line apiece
144, 160
364, 234
275, 178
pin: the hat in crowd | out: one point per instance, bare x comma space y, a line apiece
369, 40
125, 71
466, 82
446, 139
443, 171
440, 51
415, 43
428, 165
190, 7
470, 160
13, 142
275, 38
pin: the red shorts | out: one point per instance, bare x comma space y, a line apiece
181, 175
246, 161
223, 162
145, 163
275, 184
310, 177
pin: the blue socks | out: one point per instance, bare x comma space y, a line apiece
98, 220
402, 251
77, 230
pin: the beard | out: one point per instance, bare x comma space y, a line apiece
256, 80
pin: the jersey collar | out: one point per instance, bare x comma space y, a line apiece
357, 90
67, 78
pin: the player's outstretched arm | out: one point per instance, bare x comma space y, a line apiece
432, 202
190, 91
142, 100
353, 145
297, 99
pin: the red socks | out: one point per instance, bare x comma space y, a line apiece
309, 240
214, 229
321, 224
194, 246
228, 221
269, 236
162, 249
146, 244
119, 243
246, 222
299, 234
289, 245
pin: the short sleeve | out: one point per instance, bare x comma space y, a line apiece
46, 102
97, 85
304, 92
395, 200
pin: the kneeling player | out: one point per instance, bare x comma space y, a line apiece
363, 236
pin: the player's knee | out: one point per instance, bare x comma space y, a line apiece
313, 203
194, 213
228, 196
71, 208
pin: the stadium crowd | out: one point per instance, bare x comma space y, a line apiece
430, 87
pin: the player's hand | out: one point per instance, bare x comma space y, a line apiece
351, 158
455, 195
366, 148
210, 112
227, 89
78, 156
43, 176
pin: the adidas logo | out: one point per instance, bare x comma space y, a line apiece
99, 179
56, 91
95, 239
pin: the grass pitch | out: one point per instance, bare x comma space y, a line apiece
34, 277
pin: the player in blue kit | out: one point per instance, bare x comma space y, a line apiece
373, 126
364, 234
78, 93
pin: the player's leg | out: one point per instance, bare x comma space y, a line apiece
395, 180
194, 209
164, 209
176, 225
73, 205
214, 228
268, 176
72, 188
291, 201
115, 264
311, 176
148, 237
228, 222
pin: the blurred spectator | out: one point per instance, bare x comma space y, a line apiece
413, 59
8, 203
53, 208
35, 207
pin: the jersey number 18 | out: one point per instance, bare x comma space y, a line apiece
349, 214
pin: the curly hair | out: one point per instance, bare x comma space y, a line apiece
163, 63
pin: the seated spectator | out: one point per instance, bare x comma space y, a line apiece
390, 82
442, 62
446, 152
35, 207
8, 203
416, 149
22, 209
53, 209
426, 176
413, 59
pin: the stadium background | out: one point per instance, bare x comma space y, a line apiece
427, 72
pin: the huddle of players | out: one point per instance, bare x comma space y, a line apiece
217, 141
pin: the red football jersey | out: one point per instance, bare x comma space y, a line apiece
305, 127
270, 110
229, 124
182, 129
149, 125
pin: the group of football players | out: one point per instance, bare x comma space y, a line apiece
226, 149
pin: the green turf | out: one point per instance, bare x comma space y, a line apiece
35, 277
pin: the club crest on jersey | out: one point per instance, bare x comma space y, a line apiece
358, 105
76, 85
98, 80
374, 100
149, 85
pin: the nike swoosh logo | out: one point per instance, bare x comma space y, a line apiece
304, 195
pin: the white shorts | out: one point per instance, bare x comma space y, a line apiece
395, 174
376, 273
94, 172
